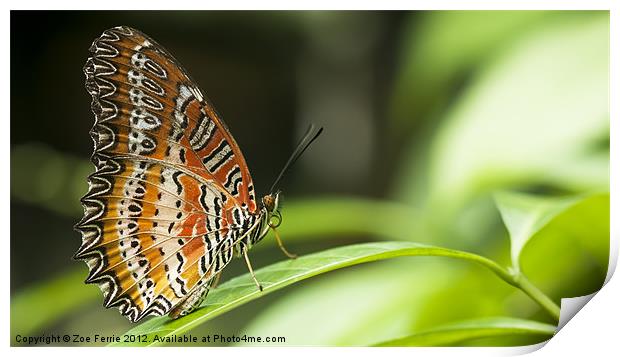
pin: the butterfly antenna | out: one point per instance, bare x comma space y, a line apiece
311, 134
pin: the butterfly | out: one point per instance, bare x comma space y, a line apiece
171, 200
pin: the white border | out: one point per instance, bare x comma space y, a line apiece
314, 5
592, 329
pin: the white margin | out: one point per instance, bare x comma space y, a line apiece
593, 329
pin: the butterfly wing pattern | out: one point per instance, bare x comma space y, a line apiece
171, 193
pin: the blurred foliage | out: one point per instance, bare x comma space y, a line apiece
489, 138
493, 138
535, 114
53, 180
65, 292
439, 50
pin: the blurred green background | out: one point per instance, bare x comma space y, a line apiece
427, 115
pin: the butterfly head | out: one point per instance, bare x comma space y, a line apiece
271, 203
270, 216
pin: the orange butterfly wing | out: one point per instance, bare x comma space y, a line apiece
171, 192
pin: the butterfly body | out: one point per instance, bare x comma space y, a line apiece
171, 200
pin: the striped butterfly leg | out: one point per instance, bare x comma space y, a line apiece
193, 300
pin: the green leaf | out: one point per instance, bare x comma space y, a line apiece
574, 231
39, 305
576, 226
459, 332
365, 305
241, 289
524, 215
578, 240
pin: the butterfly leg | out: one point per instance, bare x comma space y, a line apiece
193, 300
281, 245
216, 281
247, 261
